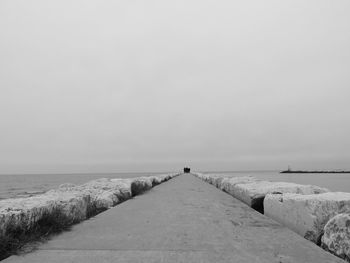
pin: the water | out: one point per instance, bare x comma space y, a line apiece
12, 186
24, 185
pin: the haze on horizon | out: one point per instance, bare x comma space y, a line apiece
106, 86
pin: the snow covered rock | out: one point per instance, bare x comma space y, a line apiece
306, 214
23, 213
67, 186
140, 185
253, 193
336, 238
214, 179
106, 193
71, 202
201, 176
224, 182
123, 188
228, 183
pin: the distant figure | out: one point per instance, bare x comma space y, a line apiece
187, 170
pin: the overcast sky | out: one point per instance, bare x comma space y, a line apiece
135, 85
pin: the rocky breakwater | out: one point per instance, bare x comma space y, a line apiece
252, 191
322, 219
23, 220
313, 212
336, 238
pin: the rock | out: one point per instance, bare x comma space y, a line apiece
213, 179
71, 202
253, 193
72, 205
124, 188
228, 183
67, 186
336, 238
306, 214
140, 185
200, 175
105, 200
23, 213
156, 180
216, 180
224, 182
106, 193
165, 177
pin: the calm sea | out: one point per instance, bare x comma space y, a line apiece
12, 186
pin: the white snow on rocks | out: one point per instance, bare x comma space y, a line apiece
227, 184
252, 191
141, 184
336, 238
307, 215
75, 203
23, 213
311, 211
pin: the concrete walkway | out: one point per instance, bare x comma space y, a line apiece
183, 220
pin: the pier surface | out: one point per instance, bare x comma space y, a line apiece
182, 220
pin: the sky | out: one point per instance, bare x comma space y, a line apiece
115, 86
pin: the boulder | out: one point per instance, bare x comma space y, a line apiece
217, 180
23, 213
307, 215
70, 202
124, 188
67, 186
224, 182
253, 193
156, 180
228, 183
140, 185
336, 238
200, 175
214, 179
165, 177
106, 193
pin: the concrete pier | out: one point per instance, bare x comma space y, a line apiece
182, 220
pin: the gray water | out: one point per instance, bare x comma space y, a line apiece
13, 186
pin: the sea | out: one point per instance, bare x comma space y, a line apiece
25, 185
